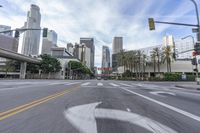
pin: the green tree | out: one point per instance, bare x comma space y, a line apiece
79, 69
156, 56
49, 64
11, 66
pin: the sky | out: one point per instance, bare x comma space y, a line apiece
105, 19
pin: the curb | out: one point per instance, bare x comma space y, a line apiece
187, 87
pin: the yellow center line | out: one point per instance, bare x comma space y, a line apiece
27, 106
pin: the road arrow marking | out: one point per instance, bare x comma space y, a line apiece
99, 84
83, 117
162, 92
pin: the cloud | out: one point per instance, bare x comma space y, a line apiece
101, 19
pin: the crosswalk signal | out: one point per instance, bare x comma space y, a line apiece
194, 61
45, 31
16, 34
151, 24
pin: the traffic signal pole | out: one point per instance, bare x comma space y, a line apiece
195, 30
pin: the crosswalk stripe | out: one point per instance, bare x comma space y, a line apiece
113, 84
72, 83
99, 84
125, 85
84, 84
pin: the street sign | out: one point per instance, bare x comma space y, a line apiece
195, 30
83, 118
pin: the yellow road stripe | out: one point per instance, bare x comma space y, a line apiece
25, 107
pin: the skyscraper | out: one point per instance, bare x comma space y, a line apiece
31, 38
89, 43
49, 42
117, 44
117, 47
105, 57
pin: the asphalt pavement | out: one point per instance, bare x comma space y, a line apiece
97, 106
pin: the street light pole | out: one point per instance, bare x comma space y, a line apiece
196, 10
190, 37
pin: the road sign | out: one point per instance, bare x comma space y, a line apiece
83, 117
195, 30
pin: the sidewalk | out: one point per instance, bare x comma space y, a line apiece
192, 86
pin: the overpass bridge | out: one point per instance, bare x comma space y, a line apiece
19, 57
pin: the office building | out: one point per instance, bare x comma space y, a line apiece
5, 28
117, 47
89, 44
184, 48
70, 48
83, 53
105, 57
168, 41
31, 38
49, 42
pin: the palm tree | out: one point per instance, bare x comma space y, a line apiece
157, 55
166, 56
153, 61
121, 58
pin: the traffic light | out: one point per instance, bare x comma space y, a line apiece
16, 34
194, 61
197, 48
194, 54
151, 24
45, 31
196, 70
174, 55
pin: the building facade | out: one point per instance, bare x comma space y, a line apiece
49, 42
89, 43
105, 57
117, 47
70, 48
5, 28
31, 38
184, 49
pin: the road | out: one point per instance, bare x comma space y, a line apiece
97, 106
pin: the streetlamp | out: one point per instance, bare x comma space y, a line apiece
190, 37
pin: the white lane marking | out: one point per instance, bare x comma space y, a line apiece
72, 83
126, 85
190, 115
162, 92
138, 84
83, 117
113, 84
55, 83
129, 110
99, 84
84, 84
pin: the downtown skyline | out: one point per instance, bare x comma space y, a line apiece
103, 20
